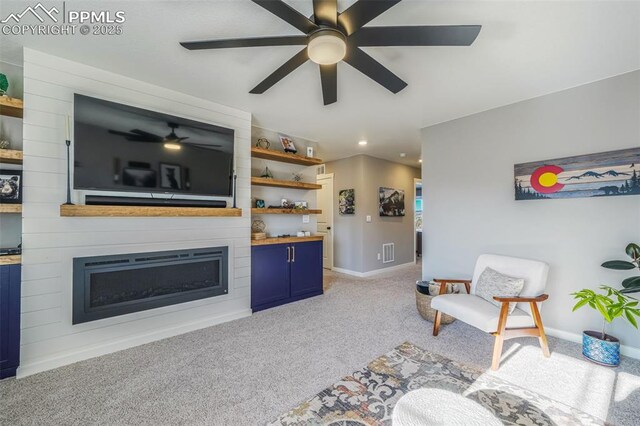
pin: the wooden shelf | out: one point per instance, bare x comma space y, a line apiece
146, 211
11, 107
285, 211
285, 240
10, 208
10, 259
284, 157
10, 156
260, 181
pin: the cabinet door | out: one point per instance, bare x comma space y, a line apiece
269, 274
9, 319
306, 268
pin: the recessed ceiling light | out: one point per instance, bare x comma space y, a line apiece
363, 142
420, 160
402, 154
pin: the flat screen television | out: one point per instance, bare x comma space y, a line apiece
123, 148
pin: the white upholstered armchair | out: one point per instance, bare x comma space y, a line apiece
525, 319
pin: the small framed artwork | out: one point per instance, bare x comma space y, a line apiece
170, 176
347, 201
142, 178
309, 151
11, 186
391, 202
287, 144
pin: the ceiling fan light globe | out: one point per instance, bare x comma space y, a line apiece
326, 47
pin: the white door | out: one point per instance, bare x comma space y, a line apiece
325, 219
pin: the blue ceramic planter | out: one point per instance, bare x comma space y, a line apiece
603, 352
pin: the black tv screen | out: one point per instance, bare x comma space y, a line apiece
123, 148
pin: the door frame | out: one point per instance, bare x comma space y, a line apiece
417, 181
333, 224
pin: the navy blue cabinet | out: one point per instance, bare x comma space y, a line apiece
284, 273
9, 320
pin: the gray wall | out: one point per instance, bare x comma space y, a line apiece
469, 198
356, 242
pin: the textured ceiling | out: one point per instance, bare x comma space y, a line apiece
525, 49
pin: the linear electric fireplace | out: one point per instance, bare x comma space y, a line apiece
107, 286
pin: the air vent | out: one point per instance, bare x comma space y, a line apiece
320, 169
388, 253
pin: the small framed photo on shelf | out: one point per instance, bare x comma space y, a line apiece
11, 186
287, 144
170, 176
309, 151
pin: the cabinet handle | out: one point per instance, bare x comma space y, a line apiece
288, 254
293, 256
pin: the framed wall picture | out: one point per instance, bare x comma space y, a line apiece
391, 202
142, 178
347, 201
170, 176
11, 186
287, 144
603, 174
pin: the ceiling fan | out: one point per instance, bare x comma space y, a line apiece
171, 141
331, 36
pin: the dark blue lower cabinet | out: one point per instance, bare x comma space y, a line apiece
9, 320
284, 273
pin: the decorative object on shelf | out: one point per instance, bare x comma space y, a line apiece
297, 177
267, 173
4, 84
287, 144
235, 187
300, 234
347, 201
4, 144
391, 202
258, 225
300, 205
68, 143
11, 186
593, 175
307, 233
598, 346
263, 143
309, 151
170, 176
260, 204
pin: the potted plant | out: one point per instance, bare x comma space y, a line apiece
600, 347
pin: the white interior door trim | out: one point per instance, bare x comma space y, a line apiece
329, 213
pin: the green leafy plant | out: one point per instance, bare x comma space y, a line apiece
611, 304
631, 284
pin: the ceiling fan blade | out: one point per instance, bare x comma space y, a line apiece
245, 42
445, 35
373, 69
288, 14
181, 139
146, 135
325, 12
329, 80
286, 68
119, 133
361, 12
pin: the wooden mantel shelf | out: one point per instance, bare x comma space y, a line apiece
11, 107
10, 259
285, 211
146, 211
285, 240
260, 181
284, 157
10, 156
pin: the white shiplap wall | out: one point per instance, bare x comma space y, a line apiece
50, 242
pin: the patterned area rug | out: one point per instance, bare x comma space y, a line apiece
369, 396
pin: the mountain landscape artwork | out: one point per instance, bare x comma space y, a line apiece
593, 175
391, 202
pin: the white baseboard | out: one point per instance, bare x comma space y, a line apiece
374, 272
30, 368
625, 350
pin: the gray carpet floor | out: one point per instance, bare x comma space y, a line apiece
251, 370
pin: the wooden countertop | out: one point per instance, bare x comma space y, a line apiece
286, 240
10, 259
